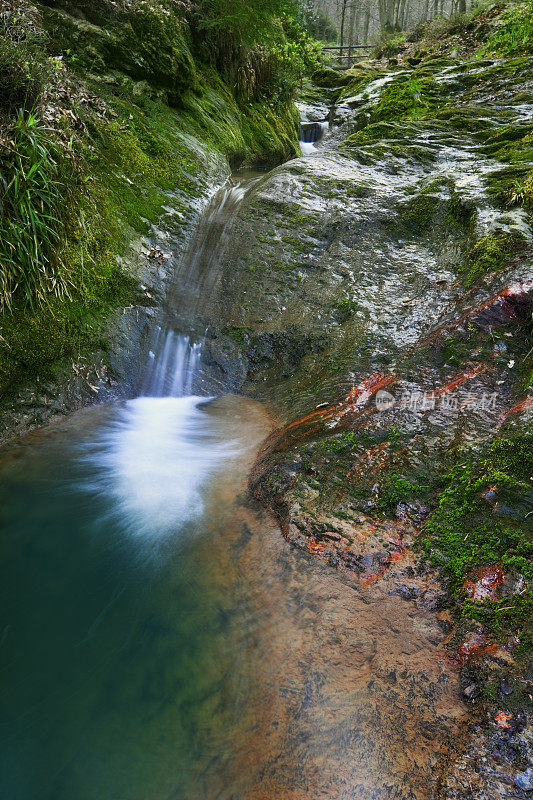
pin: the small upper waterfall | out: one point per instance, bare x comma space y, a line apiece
310, 134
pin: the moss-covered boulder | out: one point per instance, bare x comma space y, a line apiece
328, 78
145, 44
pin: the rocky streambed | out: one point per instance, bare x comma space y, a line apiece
378, 294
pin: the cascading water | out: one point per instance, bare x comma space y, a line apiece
173, 364
156, 455
310, 134
174, 357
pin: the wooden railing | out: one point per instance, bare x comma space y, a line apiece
346, 54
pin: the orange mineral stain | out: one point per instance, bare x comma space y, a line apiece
486, 584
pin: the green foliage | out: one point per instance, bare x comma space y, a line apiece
24, 67
261, 48
247, 22
522, 191
32, 201
317, 23
515, 33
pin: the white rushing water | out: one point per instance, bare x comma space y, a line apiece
173, 364
152, 459
310, 134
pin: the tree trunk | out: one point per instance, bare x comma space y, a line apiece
343, 16
366, 24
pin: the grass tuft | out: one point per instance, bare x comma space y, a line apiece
32, 199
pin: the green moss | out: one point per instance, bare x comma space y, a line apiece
296, 244
344, 309
359, 78
418, 213
397, 489
330, 187
526, 190
490, 254
456, 350
403, 100
426, 210
31, 341
240, 334
270, 134
480, 519
328, 78
378, 131
464, 119
505, 186
145, 42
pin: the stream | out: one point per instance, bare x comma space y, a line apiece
160, 639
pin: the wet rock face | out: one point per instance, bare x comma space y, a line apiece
492, 766
352, 263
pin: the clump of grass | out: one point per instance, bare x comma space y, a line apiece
32, 199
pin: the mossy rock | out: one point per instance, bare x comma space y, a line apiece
465, 119
328, 78
144, 44
465, 531
359, 78
379, 131
426, 211
508, 186
403, 100
492, 253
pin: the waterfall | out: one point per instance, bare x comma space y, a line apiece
310, 134
174, 358
173, 364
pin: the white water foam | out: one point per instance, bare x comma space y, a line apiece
153, 460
